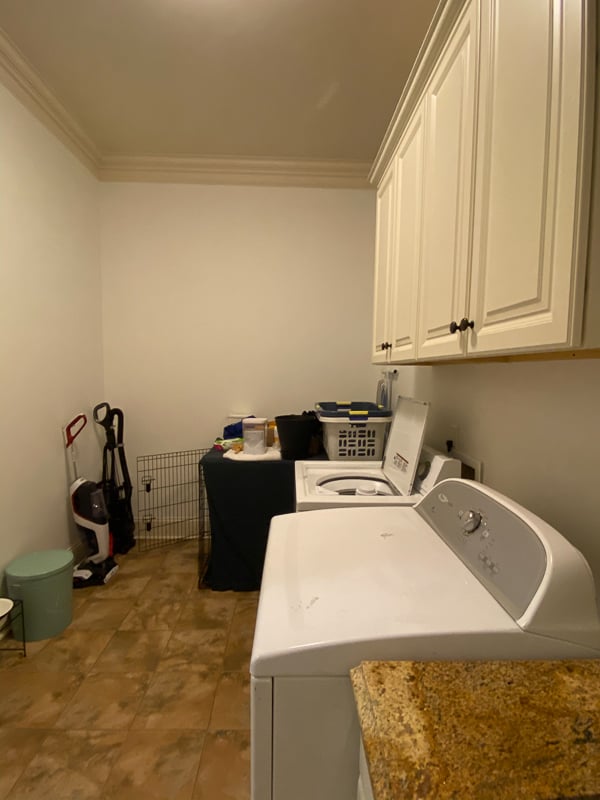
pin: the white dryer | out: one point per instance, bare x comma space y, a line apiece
408, 471
464, 574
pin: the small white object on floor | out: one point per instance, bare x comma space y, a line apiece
272, 454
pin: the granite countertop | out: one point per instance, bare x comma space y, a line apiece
495, 730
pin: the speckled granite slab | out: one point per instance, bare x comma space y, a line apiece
481, 730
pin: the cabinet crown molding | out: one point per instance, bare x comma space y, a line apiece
437, 34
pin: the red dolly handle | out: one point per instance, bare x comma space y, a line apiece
74, 428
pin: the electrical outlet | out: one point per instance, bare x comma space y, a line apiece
471, 467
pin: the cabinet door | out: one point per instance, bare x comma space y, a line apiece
450, 118
407, 248
529, 231
383, 264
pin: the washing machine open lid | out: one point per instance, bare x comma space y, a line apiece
403, 448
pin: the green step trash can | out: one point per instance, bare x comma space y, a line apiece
44, 582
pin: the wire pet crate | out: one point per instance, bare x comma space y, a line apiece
172, 505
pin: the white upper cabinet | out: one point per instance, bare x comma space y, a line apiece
532, 180
495, 245
407, 250
399, 202
383, 264
450, 114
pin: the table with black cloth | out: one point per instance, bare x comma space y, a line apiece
242, 497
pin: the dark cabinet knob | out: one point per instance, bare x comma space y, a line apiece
466, 323
462, 325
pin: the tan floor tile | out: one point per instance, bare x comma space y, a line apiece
241, 636
70, 765
13, 658
140, 563
117, 707
9, 659
17, 747
156, 765
167, 587
205, 610
73, 651
105, 702
247, 600
133, 651
152, 615
194, 650
35, 699
107, 615
224, 772
121, 587
178, 700
79, 603
231, 709
182, 559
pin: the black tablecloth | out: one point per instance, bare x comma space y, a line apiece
242, 498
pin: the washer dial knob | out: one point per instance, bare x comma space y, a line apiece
471, 521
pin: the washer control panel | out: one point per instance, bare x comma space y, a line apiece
497, 545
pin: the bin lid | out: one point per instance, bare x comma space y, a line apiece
403, 448
41, 564
357, 410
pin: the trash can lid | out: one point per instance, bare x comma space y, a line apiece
40, 564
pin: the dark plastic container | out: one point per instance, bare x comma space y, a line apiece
299, 435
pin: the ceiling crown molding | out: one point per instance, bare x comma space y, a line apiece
258, 171
25, 82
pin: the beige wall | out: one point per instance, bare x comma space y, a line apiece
536, 428
225, 299
50, 337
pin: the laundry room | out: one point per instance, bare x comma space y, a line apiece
187, 287
187, 303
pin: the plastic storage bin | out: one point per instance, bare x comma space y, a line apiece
353, 429
43, 581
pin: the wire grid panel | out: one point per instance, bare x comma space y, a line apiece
172, 505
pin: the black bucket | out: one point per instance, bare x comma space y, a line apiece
299, 435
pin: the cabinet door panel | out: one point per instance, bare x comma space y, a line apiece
383, 264
526, 229
407, 251
447, 199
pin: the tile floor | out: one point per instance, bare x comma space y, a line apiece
144, 696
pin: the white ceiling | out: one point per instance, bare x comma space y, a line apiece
239, 79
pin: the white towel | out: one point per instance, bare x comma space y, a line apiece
272, 454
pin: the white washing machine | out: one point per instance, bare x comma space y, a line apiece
408, 471
464, 574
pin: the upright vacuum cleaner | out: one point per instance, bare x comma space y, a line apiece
116, 483
91, 517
